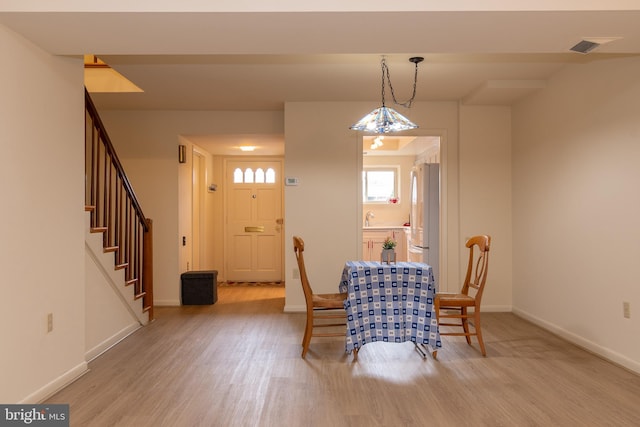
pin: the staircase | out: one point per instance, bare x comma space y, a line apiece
114, 215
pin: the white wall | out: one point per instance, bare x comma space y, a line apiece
41, 220
108, 316
324, 209
485, 195
211, 231
576, 207
325, 156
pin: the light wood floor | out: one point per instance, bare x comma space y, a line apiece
237, 363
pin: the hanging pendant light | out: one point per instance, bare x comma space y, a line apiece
385, 119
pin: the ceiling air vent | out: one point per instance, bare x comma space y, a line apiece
585, 46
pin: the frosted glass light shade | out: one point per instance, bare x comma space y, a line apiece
384, 120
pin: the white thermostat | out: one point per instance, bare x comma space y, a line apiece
291, 181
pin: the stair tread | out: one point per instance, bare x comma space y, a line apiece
111, 208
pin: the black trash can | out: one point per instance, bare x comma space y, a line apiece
199, 287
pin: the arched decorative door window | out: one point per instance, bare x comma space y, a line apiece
258, 177
271, 176
248, 176
237, 176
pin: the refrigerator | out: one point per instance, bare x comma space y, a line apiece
424, 240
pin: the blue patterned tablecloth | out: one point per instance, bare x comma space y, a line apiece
390, 303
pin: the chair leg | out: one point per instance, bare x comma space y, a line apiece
465, 324
479, 332
304, 337
308, 331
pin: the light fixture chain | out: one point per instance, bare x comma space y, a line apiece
384, 66
385, 70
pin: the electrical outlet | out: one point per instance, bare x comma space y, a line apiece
49, 322
626, 310
296, 273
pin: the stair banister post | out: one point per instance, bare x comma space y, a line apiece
147, 268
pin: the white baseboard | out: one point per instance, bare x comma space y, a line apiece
581, 342
291, 308
497, 309
110, 342
56, 385
166, 303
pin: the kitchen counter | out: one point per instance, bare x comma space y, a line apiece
373, 238
384, 227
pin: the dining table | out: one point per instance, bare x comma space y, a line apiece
390, 303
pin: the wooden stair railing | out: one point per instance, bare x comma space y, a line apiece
115, 210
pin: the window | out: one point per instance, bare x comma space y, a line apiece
379, 184
248, 175
259, 176
237, 175
271, 176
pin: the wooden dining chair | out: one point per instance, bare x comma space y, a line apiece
320, 307
455, 305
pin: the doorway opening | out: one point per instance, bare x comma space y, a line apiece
198, 209
391, 215
253, 220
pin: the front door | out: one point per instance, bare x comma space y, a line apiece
254, 220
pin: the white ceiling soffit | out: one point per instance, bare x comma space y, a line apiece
258, 61
400, 145
315, 5
194, 33
265, 145
252, 56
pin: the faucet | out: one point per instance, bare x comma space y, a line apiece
367, 217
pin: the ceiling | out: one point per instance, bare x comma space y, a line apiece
255, 61
396, 145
